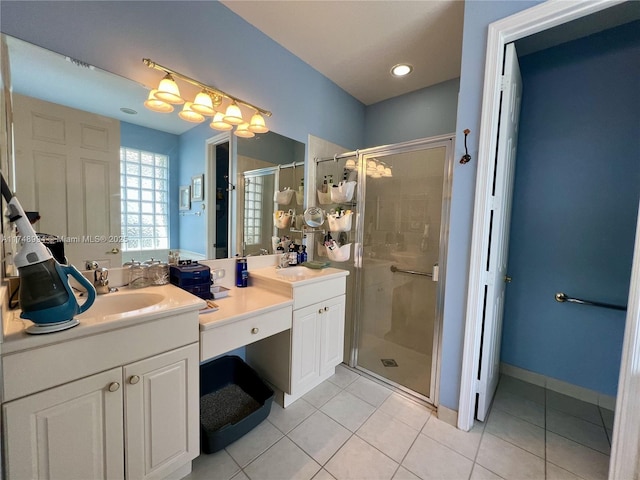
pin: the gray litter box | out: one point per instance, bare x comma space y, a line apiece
233, 400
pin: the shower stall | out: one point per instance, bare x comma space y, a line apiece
397, 250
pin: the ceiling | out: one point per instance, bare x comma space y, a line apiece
355, 43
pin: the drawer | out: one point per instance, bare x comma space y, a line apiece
219, 340
29, 371
305, 295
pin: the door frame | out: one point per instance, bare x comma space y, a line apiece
542, 17
210, 196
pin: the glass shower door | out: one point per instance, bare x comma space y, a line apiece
404, 225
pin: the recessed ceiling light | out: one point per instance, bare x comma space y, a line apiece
401, 70
129, 111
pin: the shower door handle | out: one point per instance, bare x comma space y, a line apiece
434, 275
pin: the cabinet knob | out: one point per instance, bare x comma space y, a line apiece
113, 386
255, 330
326, 309
320, 311
133, 379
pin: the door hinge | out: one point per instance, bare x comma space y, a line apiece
476, 386
504, 81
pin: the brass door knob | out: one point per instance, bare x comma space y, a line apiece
133, 379
507, 279
255, 330
113, 386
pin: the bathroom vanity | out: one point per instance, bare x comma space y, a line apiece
118, 395
291, 321
122, 381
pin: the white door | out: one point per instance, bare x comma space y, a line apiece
332, 334
162, 405
71, 431
68, 169
500, 218
305, 363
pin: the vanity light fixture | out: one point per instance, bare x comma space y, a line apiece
203, 104
218, 122
243, 131
207, 103
189, 115
233, 115
401, 69
156, 104
168, 91
257, 124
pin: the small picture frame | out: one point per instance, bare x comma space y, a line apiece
185, 198
197, 188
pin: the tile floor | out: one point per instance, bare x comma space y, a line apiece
350, 427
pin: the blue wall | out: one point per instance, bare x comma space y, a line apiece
135, 136
577, 188
478, 14
424, 113
193, 154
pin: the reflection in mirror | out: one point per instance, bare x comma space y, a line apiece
268, 164
70, 122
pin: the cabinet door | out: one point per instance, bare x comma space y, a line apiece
162, 423
305, 343
74, 431
332, 333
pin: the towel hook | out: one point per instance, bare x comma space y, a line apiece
466, 157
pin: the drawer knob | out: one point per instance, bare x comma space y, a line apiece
255, 330
114, 386
133, 379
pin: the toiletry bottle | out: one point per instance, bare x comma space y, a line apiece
301, 188
304, 254
324, 185
330, 183
242, 274
293, 255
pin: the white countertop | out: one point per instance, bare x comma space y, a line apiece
173, 300
259, 297
297, 276
243, 303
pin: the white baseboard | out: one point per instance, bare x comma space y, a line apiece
581, 393
447, 415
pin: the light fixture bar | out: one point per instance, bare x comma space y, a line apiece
151, 64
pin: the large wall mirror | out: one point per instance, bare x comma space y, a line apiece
117, 181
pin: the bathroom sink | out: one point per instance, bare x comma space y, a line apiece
294, 273
120, 303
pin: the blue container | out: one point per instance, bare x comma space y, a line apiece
242, 274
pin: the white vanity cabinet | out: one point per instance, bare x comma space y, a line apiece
317, 338
80, 429
298, 360
112, 398
71, 431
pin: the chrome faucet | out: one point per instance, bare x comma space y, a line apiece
101, 280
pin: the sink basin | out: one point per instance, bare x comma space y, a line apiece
293, 273
121, 302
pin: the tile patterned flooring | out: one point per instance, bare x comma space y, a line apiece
350, 427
